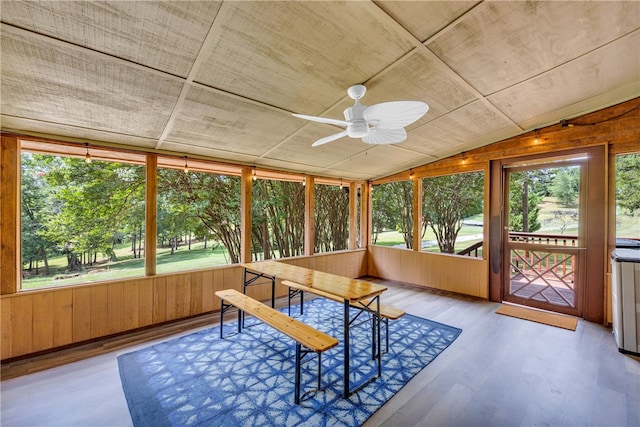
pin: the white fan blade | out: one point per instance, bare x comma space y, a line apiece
385, 136
330, 138
396, 114
322, 120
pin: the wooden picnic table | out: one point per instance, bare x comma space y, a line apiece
348, 290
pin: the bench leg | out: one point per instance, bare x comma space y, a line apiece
386, 336
223, 309
300, 354
292, 294
376, 343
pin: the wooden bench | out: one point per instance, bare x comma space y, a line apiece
387, 312
314, 341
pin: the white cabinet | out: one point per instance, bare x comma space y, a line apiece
625, 299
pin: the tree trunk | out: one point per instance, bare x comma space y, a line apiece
73, 263
525, 206
266, 247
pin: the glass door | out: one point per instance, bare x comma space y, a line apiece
543, 253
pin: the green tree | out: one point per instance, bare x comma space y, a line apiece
278, 218
565, 186
525, 194
172, 221
203, 203
447, 200
628, 183
393, 210
331, 218
35, 207
95, 201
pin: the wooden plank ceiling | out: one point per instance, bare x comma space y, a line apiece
221, 79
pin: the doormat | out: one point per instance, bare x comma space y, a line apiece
539, 316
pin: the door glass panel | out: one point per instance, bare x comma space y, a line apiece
542, 237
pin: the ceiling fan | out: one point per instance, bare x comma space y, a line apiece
377, 124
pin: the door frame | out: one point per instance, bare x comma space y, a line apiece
595, 225
576, 251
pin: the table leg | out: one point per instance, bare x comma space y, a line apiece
246, 282
222, 310
378, 336
273, 292
347, 390
301, 303
298, 375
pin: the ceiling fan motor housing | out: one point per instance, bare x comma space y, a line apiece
357, 124
358, 129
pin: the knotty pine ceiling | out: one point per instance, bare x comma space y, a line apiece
221, 79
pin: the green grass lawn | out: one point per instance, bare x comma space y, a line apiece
127, 266
627, 226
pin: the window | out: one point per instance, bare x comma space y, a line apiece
331, 218
628, 200
452, 213
277, 219
392, 222
82, 220
198, 220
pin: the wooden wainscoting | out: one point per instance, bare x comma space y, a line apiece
455, 273
46, 319
350, 264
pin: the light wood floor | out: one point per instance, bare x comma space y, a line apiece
501, 371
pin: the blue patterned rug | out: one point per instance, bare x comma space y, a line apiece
247, 379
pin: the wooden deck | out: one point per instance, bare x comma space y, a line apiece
554, 292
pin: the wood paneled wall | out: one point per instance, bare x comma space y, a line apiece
455, 273
35, 321
40, 320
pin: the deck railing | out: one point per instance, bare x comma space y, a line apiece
544, 238
545, 263
474, 250
552, 257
